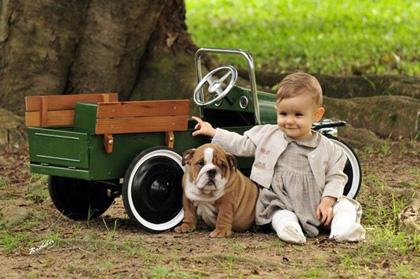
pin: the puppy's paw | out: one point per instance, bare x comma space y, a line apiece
184, 228
220, 233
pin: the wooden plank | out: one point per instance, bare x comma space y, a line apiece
143, 108
141, 124
66, 102
54, 118
44, 111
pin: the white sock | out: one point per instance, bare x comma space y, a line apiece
287, 227
344, 226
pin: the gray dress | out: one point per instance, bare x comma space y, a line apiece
293, 187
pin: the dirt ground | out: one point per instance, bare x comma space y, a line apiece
36, 241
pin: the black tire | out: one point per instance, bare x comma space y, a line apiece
152, 189
79, 199
352, 169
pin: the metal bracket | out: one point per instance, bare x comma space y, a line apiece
169, 139
108, 143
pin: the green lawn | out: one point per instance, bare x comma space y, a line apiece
329, 37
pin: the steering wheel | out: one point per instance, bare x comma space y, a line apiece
215, 85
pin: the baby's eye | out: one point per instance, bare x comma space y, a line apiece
298, 114
282, 113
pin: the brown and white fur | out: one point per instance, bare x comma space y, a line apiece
216, 191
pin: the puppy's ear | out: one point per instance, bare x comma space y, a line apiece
187, 156
233, 164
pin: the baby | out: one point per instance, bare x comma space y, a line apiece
299, 171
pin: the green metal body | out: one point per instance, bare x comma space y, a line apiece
231, 103
77, 152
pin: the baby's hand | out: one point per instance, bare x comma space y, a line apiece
324, 211
203, 128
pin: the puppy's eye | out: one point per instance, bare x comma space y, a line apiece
200, 163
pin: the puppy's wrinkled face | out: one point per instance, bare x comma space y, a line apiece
208, 168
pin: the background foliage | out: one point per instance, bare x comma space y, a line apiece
329, 37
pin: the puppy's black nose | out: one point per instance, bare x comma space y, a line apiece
211, 173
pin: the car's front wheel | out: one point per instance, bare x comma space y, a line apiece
152, 189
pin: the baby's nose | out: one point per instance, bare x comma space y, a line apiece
289, 120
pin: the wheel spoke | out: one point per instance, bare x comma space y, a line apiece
219, 91
225, 77
211, 81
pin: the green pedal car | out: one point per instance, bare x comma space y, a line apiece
95, 148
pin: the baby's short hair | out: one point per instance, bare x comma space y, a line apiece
297, 84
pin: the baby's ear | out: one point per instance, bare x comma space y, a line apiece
319, 113
187, 156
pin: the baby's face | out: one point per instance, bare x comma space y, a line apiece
296, 115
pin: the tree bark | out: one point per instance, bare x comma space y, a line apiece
168, 64
37, 46
136, 48
12, 130
112, 44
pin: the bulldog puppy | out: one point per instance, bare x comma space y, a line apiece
216, 191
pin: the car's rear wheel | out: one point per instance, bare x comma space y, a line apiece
352, 169
80, 199
152, 189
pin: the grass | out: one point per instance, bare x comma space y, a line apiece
106, 247
388, 248
367, 37
11, 241
160, 272
3, 183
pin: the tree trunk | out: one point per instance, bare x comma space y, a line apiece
12, 130
168, 64
137, 48
37, 46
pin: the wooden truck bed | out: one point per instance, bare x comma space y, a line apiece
113, 117
94, 136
